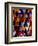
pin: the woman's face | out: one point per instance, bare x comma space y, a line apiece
26, 28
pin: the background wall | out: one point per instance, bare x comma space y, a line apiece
2, 12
